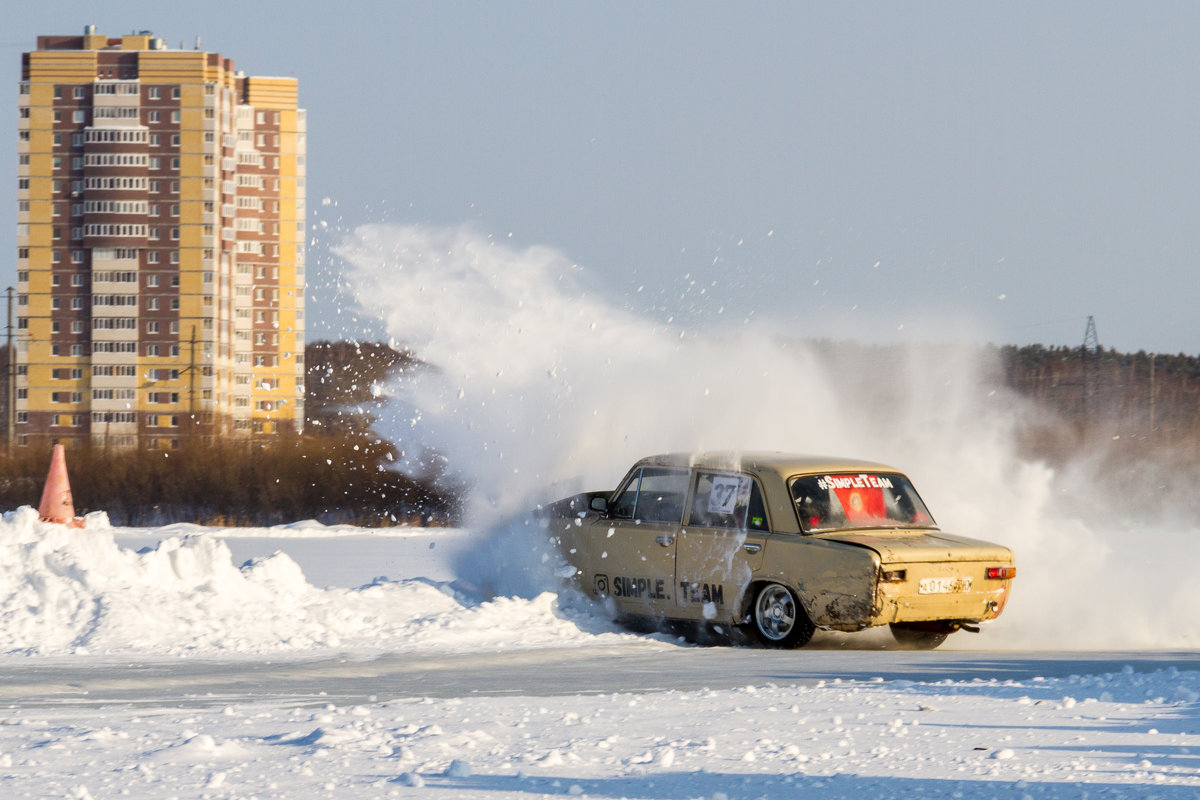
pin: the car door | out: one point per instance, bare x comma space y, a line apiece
721, 546
633, 557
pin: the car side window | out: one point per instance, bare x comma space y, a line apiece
661, 495
652, 494
723, 500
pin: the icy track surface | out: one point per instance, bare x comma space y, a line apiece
1115, 735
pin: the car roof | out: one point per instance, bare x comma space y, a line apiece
784, 463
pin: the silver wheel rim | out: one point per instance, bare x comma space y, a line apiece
775, 612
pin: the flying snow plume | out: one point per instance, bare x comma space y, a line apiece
542, 387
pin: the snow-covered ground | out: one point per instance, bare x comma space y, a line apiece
114, 600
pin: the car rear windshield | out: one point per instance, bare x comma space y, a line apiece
838, 501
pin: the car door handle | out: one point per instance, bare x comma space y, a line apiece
751, 548
665, 541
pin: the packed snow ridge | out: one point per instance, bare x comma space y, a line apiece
78, 592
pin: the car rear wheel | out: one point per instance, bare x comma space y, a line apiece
779, 619
917, 638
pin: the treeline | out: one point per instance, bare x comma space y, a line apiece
1144, 399
233, 482
341, 470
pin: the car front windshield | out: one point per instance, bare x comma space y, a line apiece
840, 501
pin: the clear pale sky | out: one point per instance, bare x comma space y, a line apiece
990, 171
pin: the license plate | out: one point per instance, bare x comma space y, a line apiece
944, 585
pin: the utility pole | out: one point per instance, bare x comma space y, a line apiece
10, 384
192, 379
1089, 357
190, 369
1152, 388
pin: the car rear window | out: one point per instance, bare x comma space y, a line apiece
839, 501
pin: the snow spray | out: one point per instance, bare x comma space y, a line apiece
542, 387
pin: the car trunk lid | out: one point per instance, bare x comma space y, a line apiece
925, 546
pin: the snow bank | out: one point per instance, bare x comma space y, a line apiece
77, 591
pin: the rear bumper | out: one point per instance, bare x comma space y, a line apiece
959, 592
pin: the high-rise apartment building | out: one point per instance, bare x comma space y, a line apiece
160, 245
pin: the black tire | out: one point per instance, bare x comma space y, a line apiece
917, 638
778, 618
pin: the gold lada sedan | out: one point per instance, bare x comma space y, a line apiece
782, 544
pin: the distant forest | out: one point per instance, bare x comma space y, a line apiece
1126, 410
1145, 400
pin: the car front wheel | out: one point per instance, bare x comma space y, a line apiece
779, 619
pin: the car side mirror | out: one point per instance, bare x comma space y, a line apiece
599, 504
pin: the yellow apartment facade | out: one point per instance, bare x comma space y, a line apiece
160, 246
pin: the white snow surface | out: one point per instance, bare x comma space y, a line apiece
103, 596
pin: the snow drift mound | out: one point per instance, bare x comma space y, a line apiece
77, 591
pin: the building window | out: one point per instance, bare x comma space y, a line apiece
80, 93
174, 116
175, 92
79, 116
153, 116
151, 349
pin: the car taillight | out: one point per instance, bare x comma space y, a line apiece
1000, 573
893, 575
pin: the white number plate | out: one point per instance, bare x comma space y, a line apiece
944, 585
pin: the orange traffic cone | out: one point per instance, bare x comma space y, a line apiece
57, 504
